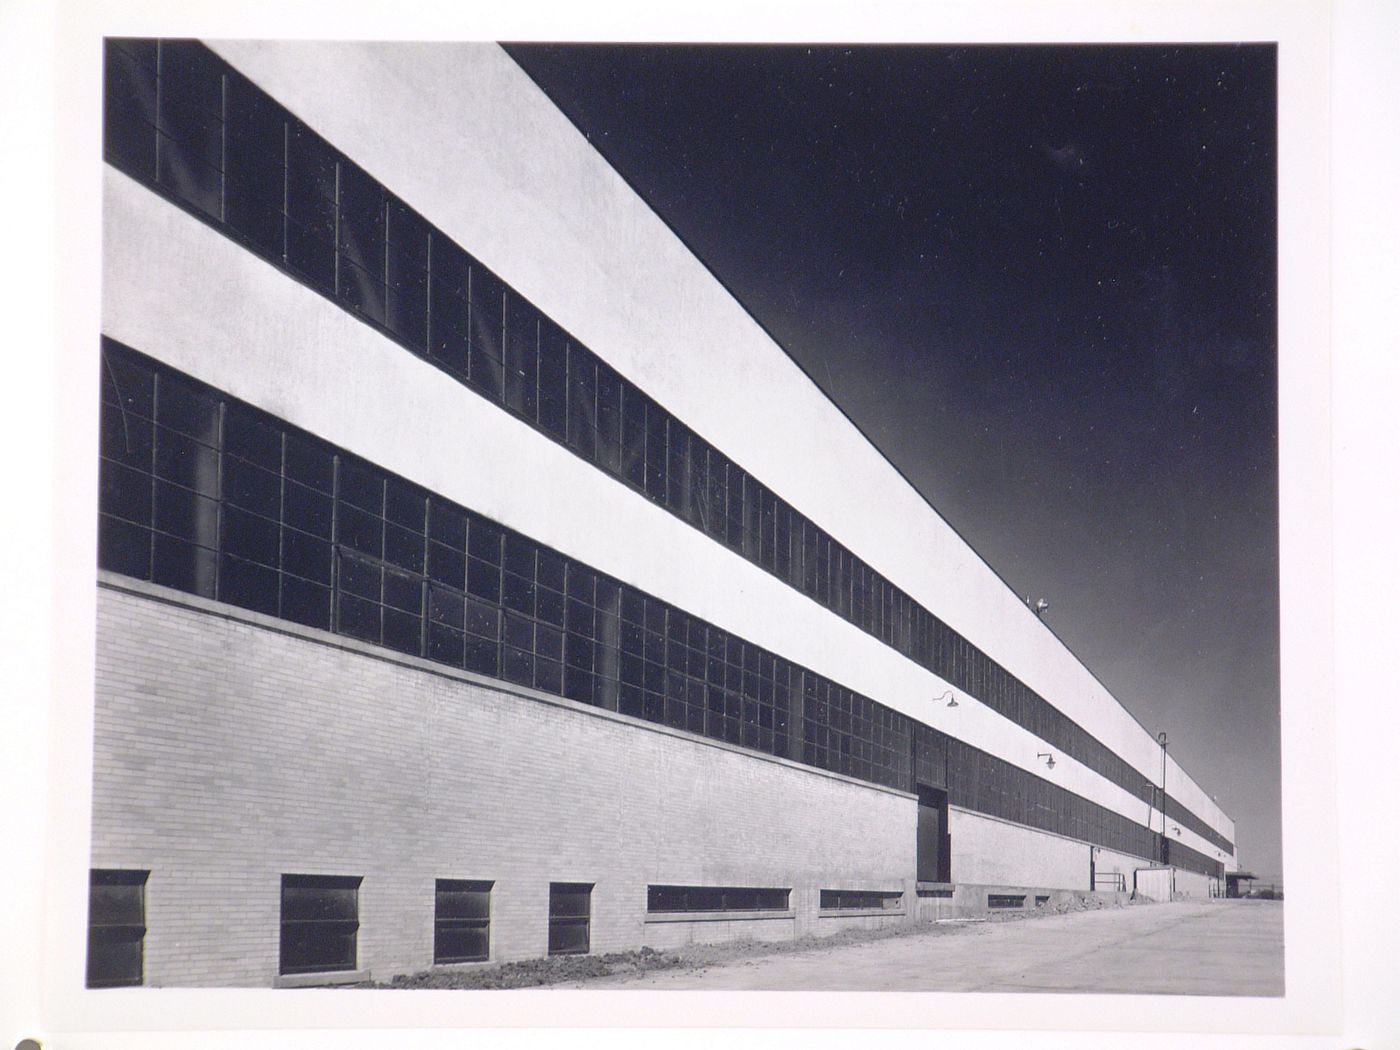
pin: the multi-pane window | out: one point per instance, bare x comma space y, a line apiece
311, 208
569, 913
381, 548
188, 124
1182, 856
1005, 901
1176, 811
863, 900
189, 109
982, 782
716, 898
116, 927
462, 921
320, 923
486, 336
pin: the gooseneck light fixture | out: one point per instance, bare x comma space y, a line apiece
1049, 759
948, 695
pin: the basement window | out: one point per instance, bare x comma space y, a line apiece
569, 912
716, 898
997, 901
462, 921
860, 900
320, 922
116, 928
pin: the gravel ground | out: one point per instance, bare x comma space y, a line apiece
1196, 947
580, 970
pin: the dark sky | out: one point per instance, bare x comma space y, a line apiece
1042, 280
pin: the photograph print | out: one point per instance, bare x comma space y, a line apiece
664, 517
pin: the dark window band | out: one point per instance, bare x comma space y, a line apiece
997, 901
716, 898
208, 495
1176, 811
1192, 860
863, 900
183, 121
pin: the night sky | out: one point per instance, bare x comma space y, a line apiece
1042, 280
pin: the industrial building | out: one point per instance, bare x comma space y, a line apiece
477, 580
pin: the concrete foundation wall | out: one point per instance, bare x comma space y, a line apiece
974, 900
231, 749
931, 907
1194, 884
671, 934
1153, 884
1107, 862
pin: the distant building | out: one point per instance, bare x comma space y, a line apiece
477, 580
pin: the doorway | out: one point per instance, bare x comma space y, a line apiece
934, 854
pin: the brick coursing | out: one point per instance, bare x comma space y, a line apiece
227, 754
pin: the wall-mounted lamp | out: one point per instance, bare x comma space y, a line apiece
948, 695
1176, 831
1049, 759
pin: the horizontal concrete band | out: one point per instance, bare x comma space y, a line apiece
320, 980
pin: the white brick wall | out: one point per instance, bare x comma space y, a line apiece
993, 852
229, 753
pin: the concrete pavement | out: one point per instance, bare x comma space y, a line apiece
1214, 947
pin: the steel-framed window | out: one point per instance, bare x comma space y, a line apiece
320, 923
864, 900
116, 928
570, 907
462, 921
716, 898
1000, 901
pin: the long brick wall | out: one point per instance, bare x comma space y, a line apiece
231, 748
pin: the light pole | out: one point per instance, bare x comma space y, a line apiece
1151, 791
1162, 739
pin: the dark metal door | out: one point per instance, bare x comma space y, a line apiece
932, 864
